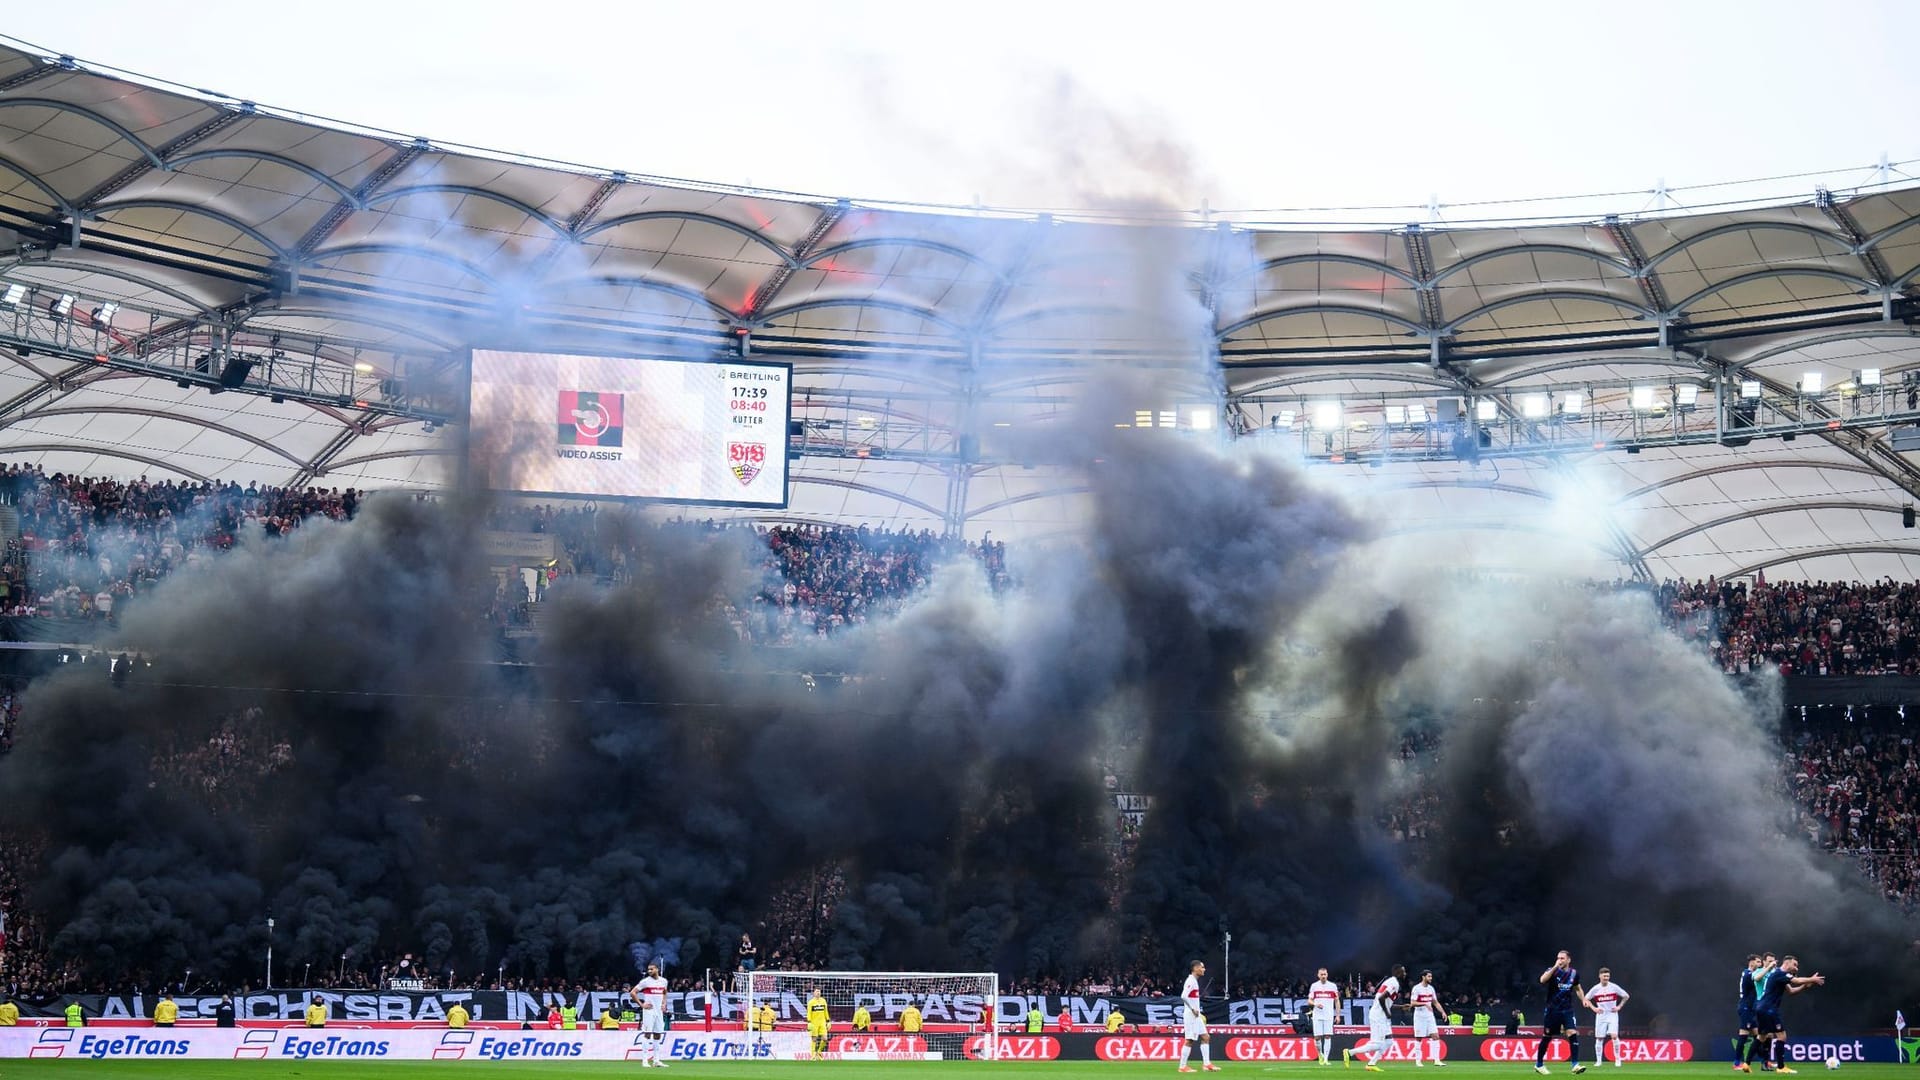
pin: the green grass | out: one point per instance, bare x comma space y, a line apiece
1056, 1070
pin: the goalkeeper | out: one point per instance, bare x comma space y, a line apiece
817, 1023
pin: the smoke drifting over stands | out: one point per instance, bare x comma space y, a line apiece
1224, 621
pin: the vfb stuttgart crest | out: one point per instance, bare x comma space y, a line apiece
589, 418
746, 459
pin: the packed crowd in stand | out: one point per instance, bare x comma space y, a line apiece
811, 579
88, 545
1798, 628
1857, 793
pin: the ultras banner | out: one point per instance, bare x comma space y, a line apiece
517, 1007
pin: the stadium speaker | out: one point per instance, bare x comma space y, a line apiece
1466, 448
796, 429
1741, 417
1906, 516
1447, 410
235, 373
969, 448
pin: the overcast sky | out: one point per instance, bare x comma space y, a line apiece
1245, 106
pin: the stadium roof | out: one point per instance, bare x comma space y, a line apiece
376, 259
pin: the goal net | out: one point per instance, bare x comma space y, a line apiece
909, 1015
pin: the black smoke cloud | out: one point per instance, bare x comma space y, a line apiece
652, 781
647, 780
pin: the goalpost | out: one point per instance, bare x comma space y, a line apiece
957, 1011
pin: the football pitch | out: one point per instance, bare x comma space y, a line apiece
720, 1070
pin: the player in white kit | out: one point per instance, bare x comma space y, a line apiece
1193, 1021
1605, 998
650, 995
1323, 998
1426, 1018
1379, 1022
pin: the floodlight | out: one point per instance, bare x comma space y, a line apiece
1286, 418
1811, 382
1486, 409
105, 313
1167, 418
16, 292
1417, 413
363, 367
1396, 414
1200, 418
1326, 415
62, 307
1572, 402
1750, 389
1685, 394
1535, 406
1143, 418
1642, 397
1867, 376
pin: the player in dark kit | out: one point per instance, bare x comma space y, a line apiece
1743, 1037
1563, 993
1774, 986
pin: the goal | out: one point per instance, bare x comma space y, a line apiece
956, 1012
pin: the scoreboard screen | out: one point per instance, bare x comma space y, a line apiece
630, 427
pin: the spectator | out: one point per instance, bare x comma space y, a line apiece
1800, 628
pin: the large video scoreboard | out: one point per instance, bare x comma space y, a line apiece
630, 427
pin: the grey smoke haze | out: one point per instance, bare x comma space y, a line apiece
1221, 622
1640, 802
